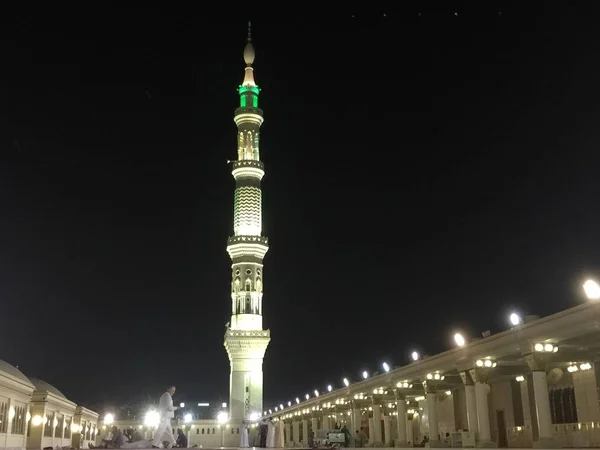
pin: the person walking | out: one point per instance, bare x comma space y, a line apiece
166, 410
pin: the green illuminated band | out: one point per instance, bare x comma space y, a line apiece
248, 96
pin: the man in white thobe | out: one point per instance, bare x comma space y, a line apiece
166, 410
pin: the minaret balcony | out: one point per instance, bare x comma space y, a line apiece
248, 110
244, 247
249, 168
248, 116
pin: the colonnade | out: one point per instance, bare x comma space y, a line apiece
400, 416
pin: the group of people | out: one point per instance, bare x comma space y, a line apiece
163, 437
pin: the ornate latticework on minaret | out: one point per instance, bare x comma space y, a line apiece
245, 339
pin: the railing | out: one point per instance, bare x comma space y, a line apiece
586, 434
573, 435
248, 239
251, 333
519, 437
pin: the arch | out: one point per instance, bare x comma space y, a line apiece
236, 285
258, 285
248, 285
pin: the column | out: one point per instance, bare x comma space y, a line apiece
288, 434
483, 413
371, 430
296, 428
387, 430
434, 437
471, 402
542, 407
326, 422
402, 440
314, 424
356, 420
586, 395
525, 403
305, 432
376, 423
410, 440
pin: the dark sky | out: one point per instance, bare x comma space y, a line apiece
423, 174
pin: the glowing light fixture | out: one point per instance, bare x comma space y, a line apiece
515, 319
386, 367
36, 421
592, 290
414, 356
187, 418
346, 382
222, 417
459, 339
365, 374
152, 418
329, 388
520, 378
109, 419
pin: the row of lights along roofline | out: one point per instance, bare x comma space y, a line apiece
592, 292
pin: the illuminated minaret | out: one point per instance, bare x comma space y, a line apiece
245, 339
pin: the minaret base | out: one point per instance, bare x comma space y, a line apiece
246, 350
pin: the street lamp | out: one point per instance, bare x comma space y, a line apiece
365, 374
109, 419
592, 290
329, 388
386, 367
459, 339
316, 393
415, 356
297, 400
307, 396
515, 319
187, 418
346, 382
222, 418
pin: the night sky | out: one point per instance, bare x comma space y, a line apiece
424, 174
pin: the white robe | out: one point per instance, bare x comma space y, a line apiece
270, 435
167, 412
244, 438
279, 435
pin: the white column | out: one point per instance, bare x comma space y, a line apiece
356, 421
314, 424
326, 424
542, 404
296, 428
288, 433
402, 435
377, 423
371, 430
586, 395
483, 411
471, 402
305, 432
409, 431
525, 403
433, 420
387, 430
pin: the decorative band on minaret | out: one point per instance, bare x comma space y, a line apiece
245, 339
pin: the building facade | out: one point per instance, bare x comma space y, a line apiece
36, 415
245, 339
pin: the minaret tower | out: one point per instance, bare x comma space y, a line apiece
245, 339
